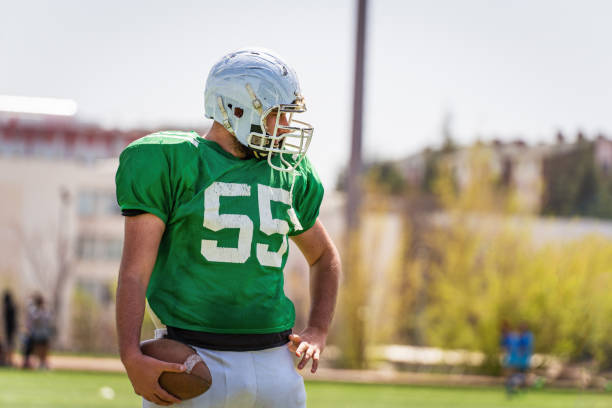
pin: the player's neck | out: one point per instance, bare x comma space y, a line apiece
225, 139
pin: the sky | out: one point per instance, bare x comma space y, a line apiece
497, 69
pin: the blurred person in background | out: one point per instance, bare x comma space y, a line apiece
524, 351
3, 356
10, 326
509, 343
206, 240
39, 331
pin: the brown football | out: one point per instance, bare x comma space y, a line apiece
183, 385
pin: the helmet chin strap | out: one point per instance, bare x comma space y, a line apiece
259, 155
291, 211
291, 189
256, 101
226, 123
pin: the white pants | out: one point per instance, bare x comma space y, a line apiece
249, 379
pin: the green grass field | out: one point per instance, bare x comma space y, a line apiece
65, 389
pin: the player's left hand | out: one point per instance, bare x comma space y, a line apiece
309, 344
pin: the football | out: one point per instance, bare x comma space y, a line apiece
194, 381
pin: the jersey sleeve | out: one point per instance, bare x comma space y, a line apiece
143, 181
307, 201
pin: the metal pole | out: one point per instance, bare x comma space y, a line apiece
355, 166
354, 296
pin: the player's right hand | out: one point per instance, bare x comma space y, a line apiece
144, 372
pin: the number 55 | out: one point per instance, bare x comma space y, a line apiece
268, 225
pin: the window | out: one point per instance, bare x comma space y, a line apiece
100, 291
97, 203
87, 203
99, 248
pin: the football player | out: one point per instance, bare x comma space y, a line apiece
206, 240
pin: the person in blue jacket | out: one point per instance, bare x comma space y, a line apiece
509, 344
524, 353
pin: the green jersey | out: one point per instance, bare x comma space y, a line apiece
220, 262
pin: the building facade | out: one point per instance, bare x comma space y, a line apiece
60, 226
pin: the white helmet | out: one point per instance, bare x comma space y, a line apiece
247, 85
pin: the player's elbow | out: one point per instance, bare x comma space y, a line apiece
329, 261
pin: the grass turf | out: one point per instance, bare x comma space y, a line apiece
67, 389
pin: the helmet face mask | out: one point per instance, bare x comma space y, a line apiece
247, 86
290, 140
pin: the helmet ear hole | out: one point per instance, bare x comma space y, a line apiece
238, 112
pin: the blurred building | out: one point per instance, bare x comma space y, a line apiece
514, 164
60, 226
61, 139
603, 153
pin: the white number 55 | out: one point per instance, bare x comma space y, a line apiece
268, 225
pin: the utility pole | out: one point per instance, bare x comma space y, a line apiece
353, 199
354, 292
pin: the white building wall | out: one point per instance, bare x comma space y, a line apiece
39, 209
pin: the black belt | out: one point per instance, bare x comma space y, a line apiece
229, 342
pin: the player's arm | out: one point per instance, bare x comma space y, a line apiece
141, 242
325, 268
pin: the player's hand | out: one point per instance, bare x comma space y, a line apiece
144, 372
309, 344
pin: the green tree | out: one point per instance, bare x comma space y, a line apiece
477, 268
